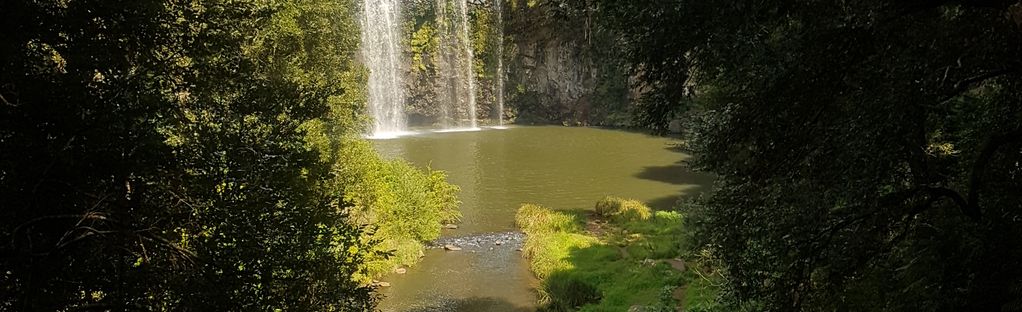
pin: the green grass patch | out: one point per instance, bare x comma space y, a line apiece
552, 237
700, 292
609, 260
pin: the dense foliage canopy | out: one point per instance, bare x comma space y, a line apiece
868, 151
194, 155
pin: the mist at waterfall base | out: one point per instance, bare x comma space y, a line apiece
381, 44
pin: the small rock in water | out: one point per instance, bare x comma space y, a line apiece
451, 226
400, 270
381, 284
498, 243
452, 248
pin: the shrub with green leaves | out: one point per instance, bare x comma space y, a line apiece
405, 206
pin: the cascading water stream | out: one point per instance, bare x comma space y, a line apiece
382, 54
500, 62
467, 64
456, 79
457, 85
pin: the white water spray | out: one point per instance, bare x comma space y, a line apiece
382, 53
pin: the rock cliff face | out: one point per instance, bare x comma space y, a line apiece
560, 68
559, 71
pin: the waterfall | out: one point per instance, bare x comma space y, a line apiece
382, 53
469, 64
455, 66
500, 61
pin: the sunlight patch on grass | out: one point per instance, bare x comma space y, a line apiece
610, 260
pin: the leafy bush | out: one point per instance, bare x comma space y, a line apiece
184, 164
404, 205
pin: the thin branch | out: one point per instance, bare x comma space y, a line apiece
938, 193
93, 215
2, 99
186, 254
967, 83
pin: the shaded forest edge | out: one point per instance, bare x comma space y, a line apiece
867, 153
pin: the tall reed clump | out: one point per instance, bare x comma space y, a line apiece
622, 210
551, 235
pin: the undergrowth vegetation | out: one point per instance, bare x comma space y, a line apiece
620, 257
403, 206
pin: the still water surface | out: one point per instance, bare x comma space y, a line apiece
498, 170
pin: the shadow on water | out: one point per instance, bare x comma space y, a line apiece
681, 173
663, 203
678, 174
473, 304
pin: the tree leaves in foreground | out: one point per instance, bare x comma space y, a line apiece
868, 151
153, 156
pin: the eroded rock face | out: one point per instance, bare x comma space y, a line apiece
553, 74
560, 72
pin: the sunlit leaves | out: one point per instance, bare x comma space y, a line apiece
197, 130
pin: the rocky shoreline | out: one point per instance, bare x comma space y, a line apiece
480, 242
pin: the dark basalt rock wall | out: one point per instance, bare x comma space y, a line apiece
563, 70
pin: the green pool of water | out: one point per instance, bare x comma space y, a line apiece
498, 170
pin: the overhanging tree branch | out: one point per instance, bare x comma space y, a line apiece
911, 7
966, 84
2, 99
